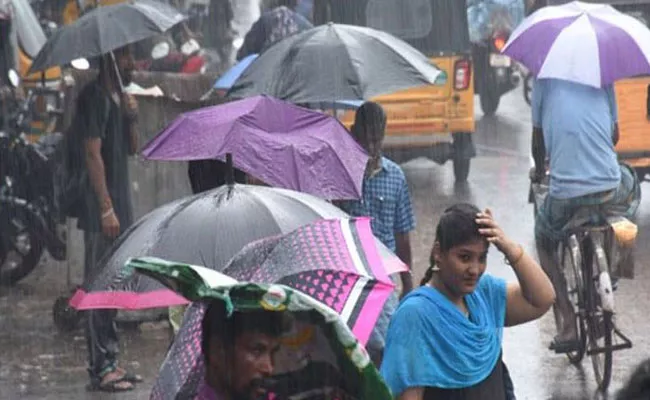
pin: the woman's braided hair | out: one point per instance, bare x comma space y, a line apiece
457, 226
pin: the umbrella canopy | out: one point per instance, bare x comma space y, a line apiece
335, 62
206, 229
105, 29
334, 261
591, 44
227, 80
318, 356
277, 142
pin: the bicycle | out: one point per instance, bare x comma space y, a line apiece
587, 255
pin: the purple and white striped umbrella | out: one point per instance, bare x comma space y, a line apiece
592, 44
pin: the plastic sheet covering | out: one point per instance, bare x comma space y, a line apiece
488, 16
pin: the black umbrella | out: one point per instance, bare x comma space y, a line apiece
205, 229
105, 29
335, 62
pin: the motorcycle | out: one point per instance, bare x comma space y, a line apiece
29, 217
495, 74
191, 59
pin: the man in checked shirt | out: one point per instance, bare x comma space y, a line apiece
387, 201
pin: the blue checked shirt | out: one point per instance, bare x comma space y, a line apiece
387, 201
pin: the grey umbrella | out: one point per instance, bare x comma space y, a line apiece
335, 62
204, 229
105, 29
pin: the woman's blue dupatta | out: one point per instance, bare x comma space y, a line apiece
430, 343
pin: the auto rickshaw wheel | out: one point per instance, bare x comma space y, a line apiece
462, 152
66, 318
461, 169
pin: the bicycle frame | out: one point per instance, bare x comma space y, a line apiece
592, 250
596, 305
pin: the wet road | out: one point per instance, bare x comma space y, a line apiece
36, 362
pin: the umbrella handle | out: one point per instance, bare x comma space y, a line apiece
119, 82
117, 72
230, 172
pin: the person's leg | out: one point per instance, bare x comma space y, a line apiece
551, 218
101, 334
562, 309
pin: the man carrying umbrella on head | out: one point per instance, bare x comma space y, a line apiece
108, 136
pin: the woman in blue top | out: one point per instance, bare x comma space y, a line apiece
444, 340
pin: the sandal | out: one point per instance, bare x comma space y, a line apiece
111, 386
130, 377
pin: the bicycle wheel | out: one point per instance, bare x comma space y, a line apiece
572, 261
599, 322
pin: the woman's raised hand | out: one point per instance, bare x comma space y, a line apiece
495, 235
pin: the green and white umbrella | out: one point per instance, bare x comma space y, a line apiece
320, 356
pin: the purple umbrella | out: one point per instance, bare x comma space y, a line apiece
591, 44
277, 142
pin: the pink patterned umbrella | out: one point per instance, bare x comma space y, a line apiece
335, 261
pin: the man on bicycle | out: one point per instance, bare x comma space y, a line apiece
576, 126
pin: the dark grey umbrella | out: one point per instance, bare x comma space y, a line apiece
105, 29
335, 62
205, 229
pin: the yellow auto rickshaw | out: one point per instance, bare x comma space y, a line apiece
21, 41
633, 99
26, 38
74, 8
435, 120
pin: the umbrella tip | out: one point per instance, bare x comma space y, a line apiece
230, 172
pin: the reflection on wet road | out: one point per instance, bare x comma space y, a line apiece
37, 362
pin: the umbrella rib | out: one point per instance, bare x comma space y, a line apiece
327, 143
297, 41
400, 56
349, 59
348, 176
